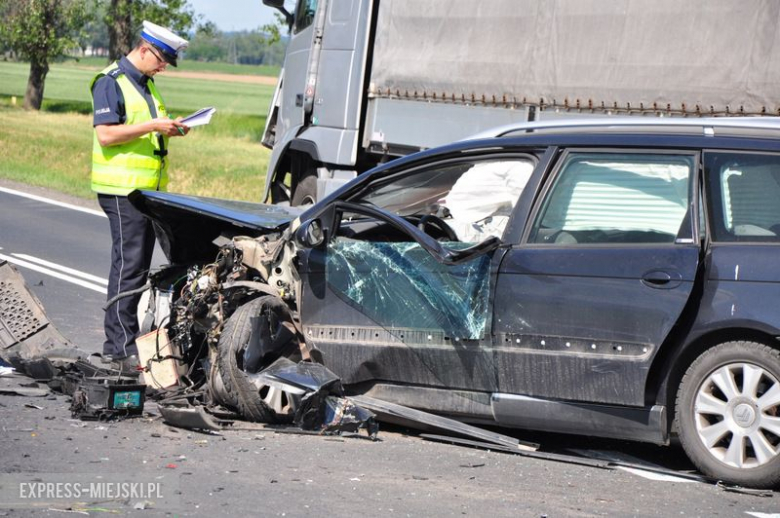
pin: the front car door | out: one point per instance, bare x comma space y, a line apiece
599, 277
382, 305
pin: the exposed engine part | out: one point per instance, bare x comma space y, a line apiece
199, 300
283, 274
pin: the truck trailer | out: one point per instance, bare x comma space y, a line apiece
366, 81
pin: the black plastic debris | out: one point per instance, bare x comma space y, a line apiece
20, 385
415, 418
192, 418
271, 334
303, 376
322, 407
763, 493
40, 369
556, 457
333, 414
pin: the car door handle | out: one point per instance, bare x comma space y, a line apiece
665, 279
299, 100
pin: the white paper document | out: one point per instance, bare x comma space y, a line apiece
199, 118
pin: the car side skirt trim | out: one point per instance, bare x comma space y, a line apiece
638, 424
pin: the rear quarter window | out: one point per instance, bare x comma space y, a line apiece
744, 196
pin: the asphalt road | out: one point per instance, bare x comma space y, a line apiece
63, 252
265, 473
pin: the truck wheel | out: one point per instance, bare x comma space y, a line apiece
254, 400
728, 413
306, 191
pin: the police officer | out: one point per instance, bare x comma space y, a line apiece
130, 144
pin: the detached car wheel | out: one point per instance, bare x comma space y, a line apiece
255, 335
728, 407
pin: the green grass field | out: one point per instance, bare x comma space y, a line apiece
187, 66
52, 148
65, 83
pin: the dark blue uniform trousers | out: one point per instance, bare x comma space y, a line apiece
132, 245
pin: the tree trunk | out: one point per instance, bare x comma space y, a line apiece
33, 97
120, 27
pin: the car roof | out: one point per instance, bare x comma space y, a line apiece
637, 132
705, 126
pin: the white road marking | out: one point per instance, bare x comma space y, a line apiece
53, 273
53, 202
650, 475
63, 269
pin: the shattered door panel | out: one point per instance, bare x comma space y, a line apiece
391, 312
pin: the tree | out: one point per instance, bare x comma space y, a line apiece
124, 18
40, 31
96, 32
208, 44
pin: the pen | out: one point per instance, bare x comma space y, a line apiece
181, 131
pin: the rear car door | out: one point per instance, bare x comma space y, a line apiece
600, 276
743, 194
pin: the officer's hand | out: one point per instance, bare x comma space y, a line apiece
170, 127
181, 129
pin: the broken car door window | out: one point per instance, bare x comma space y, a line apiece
390, 278
401, 284
616, 198
473, 198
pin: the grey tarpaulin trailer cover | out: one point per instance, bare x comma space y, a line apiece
714, 55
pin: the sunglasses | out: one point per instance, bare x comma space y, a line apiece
156, 55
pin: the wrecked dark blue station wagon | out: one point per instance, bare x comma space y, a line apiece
609, 277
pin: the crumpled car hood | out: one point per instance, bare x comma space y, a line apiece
186, 226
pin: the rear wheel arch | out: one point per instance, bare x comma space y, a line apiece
667, 370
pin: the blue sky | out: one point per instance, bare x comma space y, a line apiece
235, 15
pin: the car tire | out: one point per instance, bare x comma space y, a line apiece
727, 412
306, 191
258, 403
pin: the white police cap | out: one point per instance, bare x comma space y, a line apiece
164, 40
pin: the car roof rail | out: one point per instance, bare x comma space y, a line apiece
708, 125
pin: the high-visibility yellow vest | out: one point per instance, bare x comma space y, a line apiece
138, 164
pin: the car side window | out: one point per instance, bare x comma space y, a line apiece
474, 198
744, 196
304, 14
602, 198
